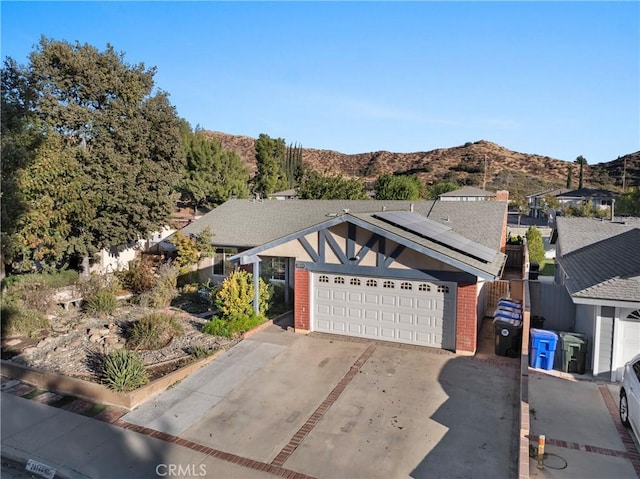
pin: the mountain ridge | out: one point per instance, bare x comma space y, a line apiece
521, 173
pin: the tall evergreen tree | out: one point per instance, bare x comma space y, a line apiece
581, 161
107, 138
270, 157
212, 174
570, 177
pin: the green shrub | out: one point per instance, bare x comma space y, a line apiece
234, 297
232, 326
103, 302
139, 277
97, 283
16, 319
154, 331
535, 245
59, 279
199, 352
33, 294
123, 371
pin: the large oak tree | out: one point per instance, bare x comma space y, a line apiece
91, 153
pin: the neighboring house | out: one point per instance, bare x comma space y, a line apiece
599, 198
400, 271
284, 195
536, 201
468, 193
118, 258
598, 262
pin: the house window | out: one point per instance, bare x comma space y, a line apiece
323, 278
443, 289
338, 280
354, 282
424, 287
388, 284
406, 285
221, 264
275, 268
372, 283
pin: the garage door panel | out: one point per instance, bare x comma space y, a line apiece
405, 302
388, 316
339, 295
371, 314
413, 312
387, 333
355, 297
323, 293
370, 298
339, 311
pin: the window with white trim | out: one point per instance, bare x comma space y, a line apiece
323, 278
338, 280
388, 285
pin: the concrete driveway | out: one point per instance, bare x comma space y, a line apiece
333, 407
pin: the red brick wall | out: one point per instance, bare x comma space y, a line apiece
466, 321
301, 312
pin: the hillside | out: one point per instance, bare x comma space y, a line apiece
518, 172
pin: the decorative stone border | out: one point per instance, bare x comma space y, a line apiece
98, 393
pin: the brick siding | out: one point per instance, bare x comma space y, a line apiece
301, 313
466, 321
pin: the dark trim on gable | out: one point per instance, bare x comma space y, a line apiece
353, 270
309, 249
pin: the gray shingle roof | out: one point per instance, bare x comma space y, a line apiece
246, 223
469, 191
601, 258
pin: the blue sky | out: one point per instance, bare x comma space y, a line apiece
559, 79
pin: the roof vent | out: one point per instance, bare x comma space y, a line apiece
384, 208
446, 218
345, 210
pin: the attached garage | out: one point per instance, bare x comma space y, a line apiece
399, 310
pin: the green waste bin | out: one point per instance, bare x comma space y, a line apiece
574, 352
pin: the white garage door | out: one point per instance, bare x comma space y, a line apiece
414, 312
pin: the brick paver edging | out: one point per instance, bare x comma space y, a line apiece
307, 427
605, 451
210, 451
623, 432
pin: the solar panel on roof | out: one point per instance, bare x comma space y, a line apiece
437, 232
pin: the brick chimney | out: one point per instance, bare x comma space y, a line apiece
502, 195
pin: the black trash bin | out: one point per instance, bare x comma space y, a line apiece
508, 337
534, 271
537, 322
574, 352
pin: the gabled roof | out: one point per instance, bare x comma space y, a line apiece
601, 258
588, 193
247, 223
549, 192
469, 191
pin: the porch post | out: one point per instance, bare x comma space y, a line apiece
256, 287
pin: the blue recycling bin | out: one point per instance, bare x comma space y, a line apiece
510, 302
543, 348
501, 313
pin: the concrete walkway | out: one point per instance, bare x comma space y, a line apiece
177, 409
80, 447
